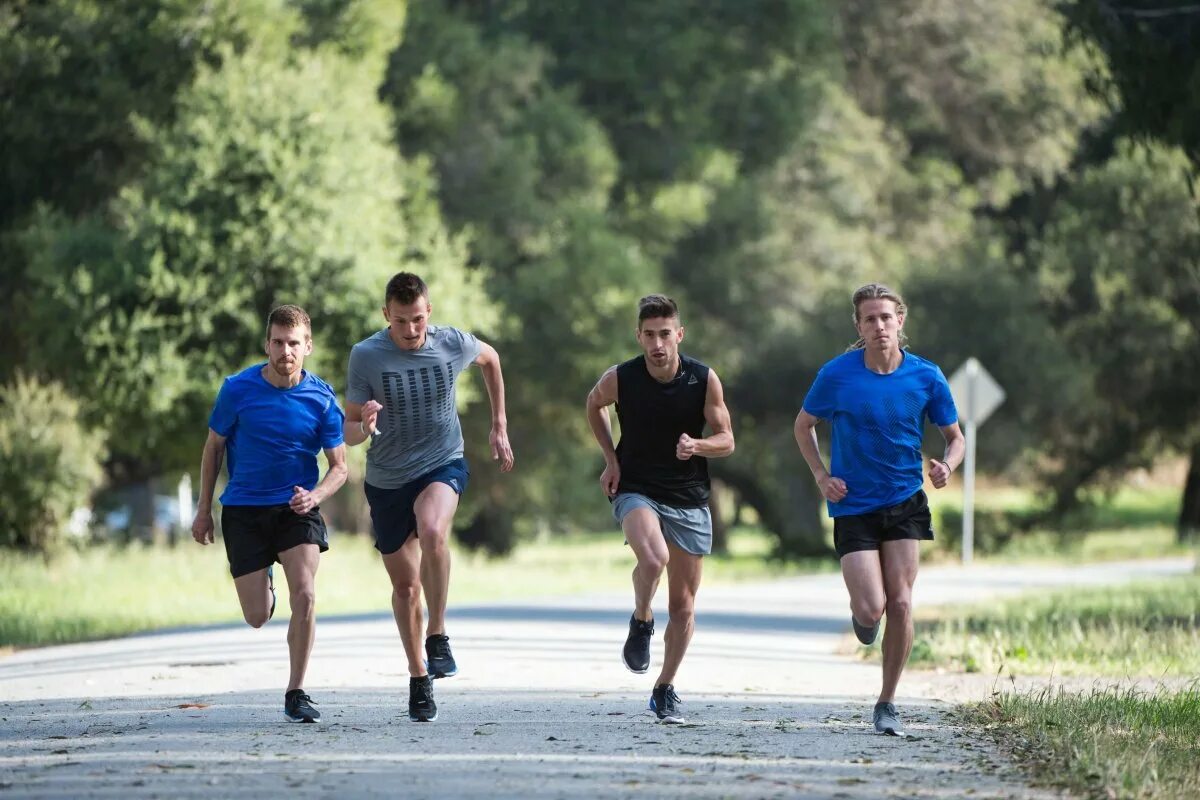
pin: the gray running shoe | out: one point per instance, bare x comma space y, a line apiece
886, 720
865, 635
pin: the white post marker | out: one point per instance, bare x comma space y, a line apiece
977, 395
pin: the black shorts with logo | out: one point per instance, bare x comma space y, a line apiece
255, 535
908, 520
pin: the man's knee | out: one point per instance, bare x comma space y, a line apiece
256, 618
682, 609
303, 601
653, 561
868, 610
899, 606
407, 591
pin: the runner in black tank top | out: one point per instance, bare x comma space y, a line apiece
657, 480
652, 416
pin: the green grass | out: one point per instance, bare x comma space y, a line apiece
1136, 629
106, 591
1113, 743
1129, 523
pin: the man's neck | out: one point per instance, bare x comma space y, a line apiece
883, 362
279, 381
664, 374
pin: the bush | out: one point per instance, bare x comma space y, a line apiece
49, 463
994, 528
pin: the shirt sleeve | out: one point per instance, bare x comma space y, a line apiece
469, 347
331, 423
941, 410
821, 400
358, 385
223, 418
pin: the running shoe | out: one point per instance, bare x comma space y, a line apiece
298, 707
865, 634
887, 720
438, 658
665, 704
636, 654
421, 707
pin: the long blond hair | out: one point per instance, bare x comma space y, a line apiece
877, 291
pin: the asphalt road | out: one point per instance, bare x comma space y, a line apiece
542, 706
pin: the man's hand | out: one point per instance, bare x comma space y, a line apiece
939, 473
610, 479
685, 448
202, 526
832, 489
501, 449
370, 416
302, 500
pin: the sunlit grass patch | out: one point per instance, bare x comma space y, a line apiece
1120, 743
1150, 628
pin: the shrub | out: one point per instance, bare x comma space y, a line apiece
49, 463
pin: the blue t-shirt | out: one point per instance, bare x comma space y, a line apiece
273, 435
878, 423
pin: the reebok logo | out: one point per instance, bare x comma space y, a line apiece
692, 380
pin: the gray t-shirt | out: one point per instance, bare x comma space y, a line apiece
419, 419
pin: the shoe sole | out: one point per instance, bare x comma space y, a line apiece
436, 675
290, 718
415, 718
641, 671
670, 720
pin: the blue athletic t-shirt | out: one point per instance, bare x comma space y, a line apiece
878, 423
273, 435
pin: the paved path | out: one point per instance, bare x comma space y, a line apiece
542, 707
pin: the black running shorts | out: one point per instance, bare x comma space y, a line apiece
908, 520
255, 535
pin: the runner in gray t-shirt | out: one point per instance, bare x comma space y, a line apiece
401, 394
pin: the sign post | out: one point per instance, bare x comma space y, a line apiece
977, 395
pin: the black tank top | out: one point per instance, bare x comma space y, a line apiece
653, 415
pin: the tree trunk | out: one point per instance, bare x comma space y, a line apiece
1188, 528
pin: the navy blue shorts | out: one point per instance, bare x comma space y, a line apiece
393, 511
908, 520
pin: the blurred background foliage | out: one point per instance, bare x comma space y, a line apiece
1023, 173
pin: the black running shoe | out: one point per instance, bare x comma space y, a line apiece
665, 703
865, 634
636, 654
438, 658
421, 707
298, 707
271, 589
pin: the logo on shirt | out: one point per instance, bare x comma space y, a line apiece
692, 380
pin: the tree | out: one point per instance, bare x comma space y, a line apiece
1127, 304
275, 182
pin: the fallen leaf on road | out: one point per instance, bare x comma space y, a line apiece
193, 705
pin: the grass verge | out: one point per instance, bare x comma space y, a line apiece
105, 591
1114, 743
1150, 628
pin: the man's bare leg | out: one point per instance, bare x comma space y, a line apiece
644, 534
683, 581
300, 566
434, 508
404, 570
900, 560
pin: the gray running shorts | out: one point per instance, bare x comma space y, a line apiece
688, 529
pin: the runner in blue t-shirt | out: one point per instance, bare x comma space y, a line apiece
272, 419
877, 396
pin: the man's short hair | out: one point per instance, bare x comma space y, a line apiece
653, 306
405, 288
288, 316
